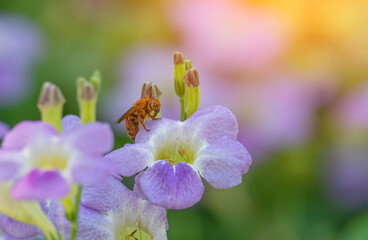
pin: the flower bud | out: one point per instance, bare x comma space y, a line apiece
192, 95
191, 78
88, 92
87, 95
96, 80
188, 64
179, 72
150, 90
50, 104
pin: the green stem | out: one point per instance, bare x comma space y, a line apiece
76, 213
182, 113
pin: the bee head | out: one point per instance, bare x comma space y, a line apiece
155, 105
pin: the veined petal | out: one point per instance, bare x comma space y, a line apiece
172, 187
93, 225
70, 122
131, 158
92, 138
212, 123
105, 196
154, 219
223, 163
39, 185
158, 129
17, 229
137, 186
90, 170
26, 132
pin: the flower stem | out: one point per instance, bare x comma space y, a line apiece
182, 107
76, 213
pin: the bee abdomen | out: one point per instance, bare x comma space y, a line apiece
132, 127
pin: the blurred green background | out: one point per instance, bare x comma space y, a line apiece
293, 72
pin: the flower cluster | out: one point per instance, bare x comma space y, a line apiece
57, 183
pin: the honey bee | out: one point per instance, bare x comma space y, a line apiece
142, 109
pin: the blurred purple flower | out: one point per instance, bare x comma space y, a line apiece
113, 212
6, 237
347, 161
178, 153
17, 229
44, 163
347, 178
275, 114
20, 45
4, 128
227, 34
352, 111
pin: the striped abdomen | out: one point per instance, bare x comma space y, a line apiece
132, 126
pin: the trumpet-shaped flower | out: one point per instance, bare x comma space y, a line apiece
178, 153
43, 163
111, 211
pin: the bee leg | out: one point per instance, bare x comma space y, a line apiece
141, 121
154, 117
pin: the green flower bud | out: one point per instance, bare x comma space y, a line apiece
179, 72
192, 95
87, 95
188, 64
96, 80
50, 104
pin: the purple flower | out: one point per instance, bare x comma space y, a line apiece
178, 153
347, 178
114, 212
4, 128
44, 162
15, 229
352, 111
20, 45
347, 162
275, 114
5, 237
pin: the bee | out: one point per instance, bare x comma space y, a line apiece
142, 109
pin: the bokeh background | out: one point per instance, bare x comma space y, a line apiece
293, 72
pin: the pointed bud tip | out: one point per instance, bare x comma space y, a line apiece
191, 78
88, 91
188, 64
178, 58
150, 90
50, 95
96, 80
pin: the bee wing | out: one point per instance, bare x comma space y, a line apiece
124, 116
